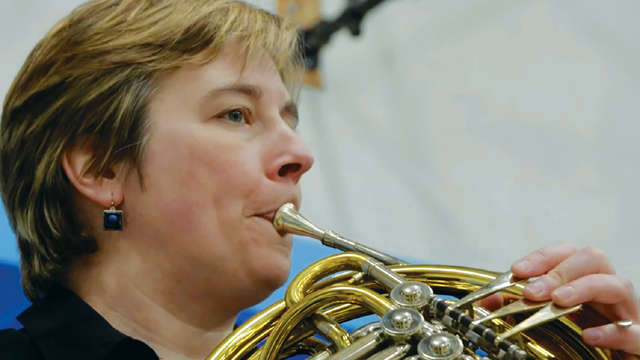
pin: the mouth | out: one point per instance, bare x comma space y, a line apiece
267, 215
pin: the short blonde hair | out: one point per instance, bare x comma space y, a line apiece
87, 82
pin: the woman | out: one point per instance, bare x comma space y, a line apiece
171, 122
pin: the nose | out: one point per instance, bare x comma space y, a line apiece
292, 157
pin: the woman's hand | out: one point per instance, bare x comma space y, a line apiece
570, 277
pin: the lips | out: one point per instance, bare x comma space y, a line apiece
267, 215
268, 211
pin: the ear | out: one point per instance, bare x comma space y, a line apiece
96, 188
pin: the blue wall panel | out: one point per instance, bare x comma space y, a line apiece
8, 247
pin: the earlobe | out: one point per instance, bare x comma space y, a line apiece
98, 188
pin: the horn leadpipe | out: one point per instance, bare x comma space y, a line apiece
287, 220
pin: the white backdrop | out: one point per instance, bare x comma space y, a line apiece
460, 132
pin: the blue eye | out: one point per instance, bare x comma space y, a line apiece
235, 116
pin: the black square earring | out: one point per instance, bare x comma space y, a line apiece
112, 218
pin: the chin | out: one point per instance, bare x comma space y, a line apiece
274, 274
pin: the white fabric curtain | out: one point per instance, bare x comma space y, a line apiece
459, 132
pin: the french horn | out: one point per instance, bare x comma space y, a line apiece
426, 312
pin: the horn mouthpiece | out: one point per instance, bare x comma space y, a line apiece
288, 220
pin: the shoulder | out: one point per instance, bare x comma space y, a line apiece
18, 345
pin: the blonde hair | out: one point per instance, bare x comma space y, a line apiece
87, 82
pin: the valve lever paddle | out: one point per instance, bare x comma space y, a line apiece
502, 282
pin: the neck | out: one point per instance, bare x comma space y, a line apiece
142, 304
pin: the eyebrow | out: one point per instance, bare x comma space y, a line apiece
249, 90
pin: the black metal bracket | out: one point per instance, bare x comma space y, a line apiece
316, 37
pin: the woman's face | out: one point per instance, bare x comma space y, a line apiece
222, 156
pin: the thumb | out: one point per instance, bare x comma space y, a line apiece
611, 336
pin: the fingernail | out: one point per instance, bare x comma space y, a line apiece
565, 292
536, 288
522, 265
592, 336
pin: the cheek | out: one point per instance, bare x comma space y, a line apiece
207, 162
199, 179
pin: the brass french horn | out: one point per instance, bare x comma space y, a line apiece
415, 323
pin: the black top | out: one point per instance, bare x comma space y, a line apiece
62, 326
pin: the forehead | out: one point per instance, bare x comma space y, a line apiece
229, 68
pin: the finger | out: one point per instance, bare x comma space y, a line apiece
587, 261
614, 337
603, 289
608, 311
493, 302
541, 261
